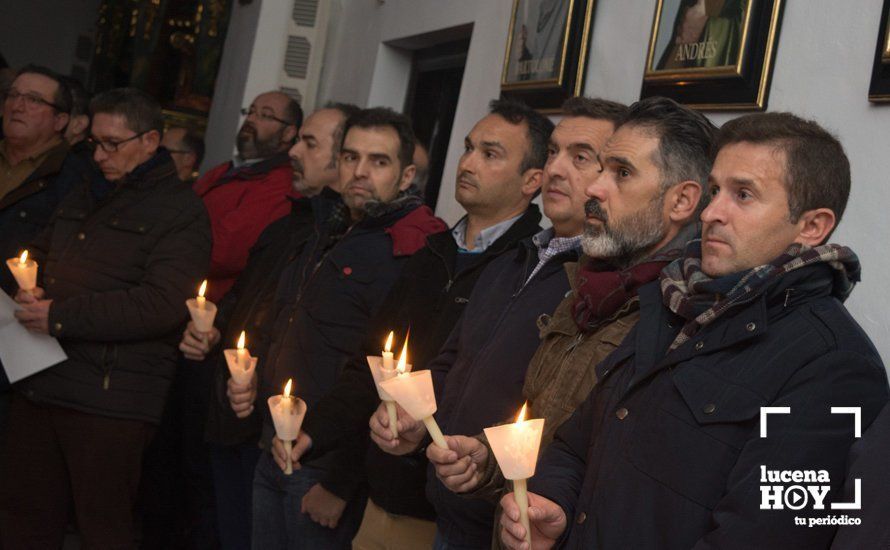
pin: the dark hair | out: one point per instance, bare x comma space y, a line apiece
80, 98
192, 142
684, 140
817, 171
62, 97
539, 129
347, 110
600, 109
383, 117
293, 113
140, 110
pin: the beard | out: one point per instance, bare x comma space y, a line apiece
250, 147
621, 242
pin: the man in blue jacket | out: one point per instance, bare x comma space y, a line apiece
674, 448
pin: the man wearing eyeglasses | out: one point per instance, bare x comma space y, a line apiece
32, 154
117, 262
244, 195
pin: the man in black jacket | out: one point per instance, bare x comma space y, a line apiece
675, 448
497, 176
233, 429
323, 306
117, 262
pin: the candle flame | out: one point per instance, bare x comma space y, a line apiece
403, 357
388, 346
203, 288
287, 387
23, 259
241, 340
521, 418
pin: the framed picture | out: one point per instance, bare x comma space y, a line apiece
546, 52
879, 89
713, 54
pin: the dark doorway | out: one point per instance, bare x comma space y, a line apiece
436, 76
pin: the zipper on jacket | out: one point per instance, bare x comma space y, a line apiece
448, 270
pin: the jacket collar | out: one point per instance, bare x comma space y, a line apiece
50, 166
658, 326
525, 226
256, 169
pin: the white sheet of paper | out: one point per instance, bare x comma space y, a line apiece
23, 352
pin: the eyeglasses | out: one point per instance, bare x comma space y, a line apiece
111, 146
32, 101
264, 116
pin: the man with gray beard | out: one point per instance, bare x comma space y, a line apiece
644, 192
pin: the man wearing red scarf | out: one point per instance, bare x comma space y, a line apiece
644, 191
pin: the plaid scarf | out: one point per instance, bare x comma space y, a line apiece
690, 293
408, 199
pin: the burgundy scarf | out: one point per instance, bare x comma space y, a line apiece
600, 293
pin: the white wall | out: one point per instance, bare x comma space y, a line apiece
822, 71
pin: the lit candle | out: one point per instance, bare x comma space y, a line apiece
287, 415
387, 352
515, 446
380, 371
24, 270
414, 392
241, 364
202, 310
201, 300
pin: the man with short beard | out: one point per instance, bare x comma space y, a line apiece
233, 430
621, 252
244, 195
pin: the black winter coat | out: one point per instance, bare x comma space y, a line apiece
666, 452
119, 271
485, 360
324, 303
27, 209
248, 306
429, 298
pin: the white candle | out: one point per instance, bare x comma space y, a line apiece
387, 353
287, 415
515, 446
24, 270
200, 299
202, 310
242, 355
241, 364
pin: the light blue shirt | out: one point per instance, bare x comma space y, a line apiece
484, 239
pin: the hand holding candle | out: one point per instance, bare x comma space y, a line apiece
241, 364
287, 415
203, 311
382, 369
24, 270
515, 446
414, 392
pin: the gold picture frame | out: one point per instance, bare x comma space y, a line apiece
879, 88
546, 53
713, 54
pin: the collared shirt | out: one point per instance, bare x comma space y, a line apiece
11, 176
549, 246
484, 239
